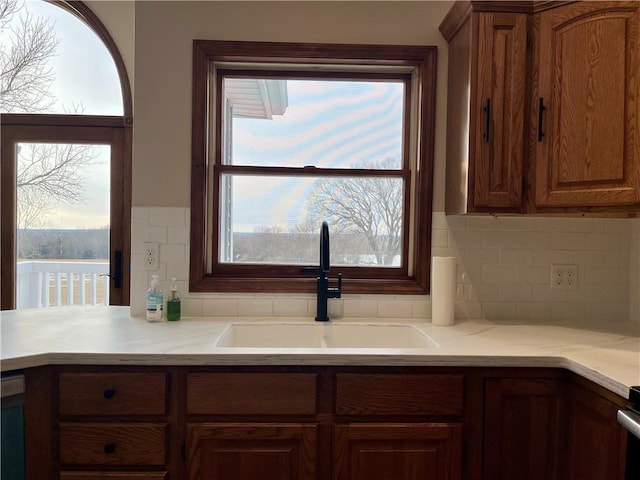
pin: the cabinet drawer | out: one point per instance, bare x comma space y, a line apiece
391, 394
113, 475
113, 393
113, 443
251, 393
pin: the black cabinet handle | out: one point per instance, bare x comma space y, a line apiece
487, 120
109, 448
541, 109
109, 393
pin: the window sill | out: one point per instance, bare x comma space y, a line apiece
229, 284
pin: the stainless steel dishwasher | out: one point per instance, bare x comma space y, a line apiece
12, 427
630, 419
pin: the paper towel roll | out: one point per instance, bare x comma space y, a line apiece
443, 290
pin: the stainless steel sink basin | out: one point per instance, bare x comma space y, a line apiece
319, 335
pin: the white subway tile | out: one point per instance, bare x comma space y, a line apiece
499, 274
465, 238
586, 224
481, 256
220, 307
168, 216
468, 310
335, 308
191, 306
568, 241
483, 292
394, 309
290, 307
178, 235
584, 258
618, 224
439, 221
421, 309
439, 238
179, 270
157, 234
456, 222
603, 241
483, 222
360, 308
606, 312
534, 275
170, 252
517, 223
544, 293
140, 212
515, 293
545, 257
566, 311
532, 311
256, 307
516, 257
550, 224
499, 311
501, 239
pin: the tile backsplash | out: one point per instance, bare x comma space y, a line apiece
503, 270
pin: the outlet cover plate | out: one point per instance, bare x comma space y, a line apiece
151, 256
564, 277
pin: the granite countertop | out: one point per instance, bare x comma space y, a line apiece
607, 353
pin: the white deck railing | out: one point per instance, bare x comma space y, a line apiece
60, 282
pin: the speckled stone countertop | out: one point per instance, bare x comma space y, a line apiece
607, 353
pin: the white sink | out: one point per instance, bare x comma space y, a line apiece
321, 335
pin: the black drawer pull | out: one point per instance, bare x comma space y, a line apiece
109, 448
109, 393
541, 109
487, 120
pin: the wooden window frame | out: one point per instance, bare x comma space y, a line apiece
208, 275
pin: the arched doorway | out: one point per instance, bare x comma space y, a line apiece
66, 163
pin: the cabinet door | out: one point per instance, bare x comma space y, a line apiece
498, 108
247, 451
522, 429
596, 442
587, 107
406, 451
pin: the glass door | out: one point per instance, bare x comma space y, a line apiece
65, 216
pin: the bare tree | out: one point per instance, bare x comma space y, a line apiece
47, 174
50, 174
369, 207
27, 44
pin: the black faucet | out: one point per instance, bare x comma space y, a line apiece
324, 291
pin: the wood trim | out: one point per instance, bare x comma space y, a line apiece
39, 433
225, 278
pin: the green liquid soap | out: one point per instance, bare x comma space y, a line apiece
173, 304
173, 310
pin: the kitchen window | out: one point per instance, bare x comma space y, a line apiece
288, 135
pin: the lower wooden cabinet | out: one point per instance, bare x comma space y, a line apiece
404, 451
596, 443
248, 451
113, 476
522, 430
319, 423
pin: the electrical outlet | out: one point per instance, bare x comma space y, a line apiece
564, 277
151, 256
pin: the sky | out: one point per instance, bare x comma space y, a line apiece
84, 74
333, 124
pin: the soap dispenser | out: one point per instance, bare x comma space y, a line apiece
154, 300
173, 303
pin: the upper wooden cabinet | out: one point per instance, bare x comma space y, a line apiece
587, 108
543, 111
486, 112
